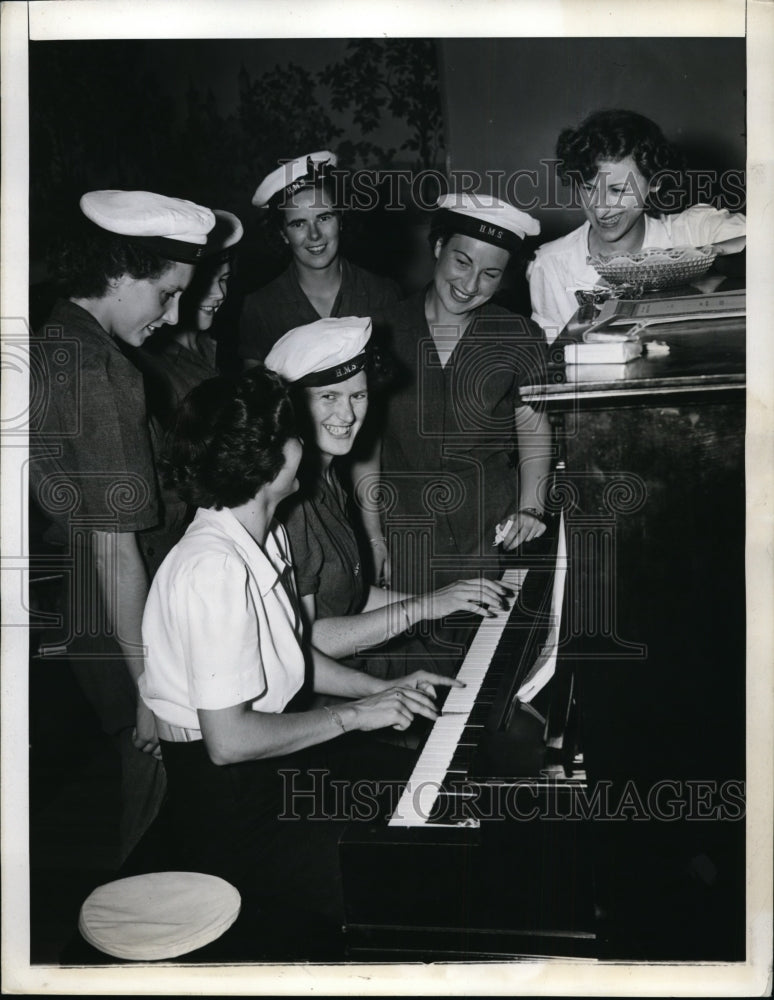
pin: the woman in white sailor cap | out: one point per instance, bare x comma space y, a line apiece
178, 358
183, 355
121, 270
464, 461
226, 658
331, 365
299, 200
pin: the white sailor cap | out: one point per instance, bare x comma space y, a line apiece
224, 235
293, 176
487, 218
174, 228
160, 915
321, 353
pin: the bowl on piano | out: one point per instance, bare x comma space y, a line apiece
654, 267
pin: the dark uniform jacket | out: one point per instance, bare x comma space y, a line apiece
282, 305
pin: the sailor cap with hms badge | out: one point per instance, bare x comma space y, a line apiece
174, 228
322, 353
293, 176
487, 218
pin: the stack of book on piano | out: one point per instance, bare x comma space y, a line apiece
610, 352
600, 362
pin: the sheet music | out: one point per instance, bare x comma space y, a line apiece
545, 664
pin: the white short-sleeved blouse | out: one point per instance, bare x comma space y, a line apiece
221, 624
560, 267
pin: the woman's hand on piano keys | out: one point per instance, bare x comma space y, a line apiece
424, 680
480, 596
397, 704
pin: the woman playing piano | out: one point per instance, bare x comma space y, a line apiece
223, 633
464, 462
331, 364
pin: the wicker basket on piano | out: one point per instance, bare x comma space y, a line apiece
654, 267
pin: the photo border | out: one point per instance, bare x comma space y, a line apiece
430, 18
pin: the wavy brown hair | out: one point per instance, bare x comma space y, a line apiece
613, 135
228, 438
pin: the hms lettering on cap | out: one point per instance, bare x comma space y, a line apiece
294, 186
294, 175
321, 353
490, 231
487, 218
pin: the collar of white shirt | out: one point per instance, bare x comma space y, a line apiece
269, 562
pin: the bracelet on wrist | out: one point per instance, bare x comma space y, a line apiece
377, 538
334, 715
398, 619
539, 515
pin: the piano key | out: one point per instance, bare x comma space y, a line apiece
442, 758
416, 802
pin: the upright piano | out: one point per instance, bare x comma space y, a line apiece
603, 817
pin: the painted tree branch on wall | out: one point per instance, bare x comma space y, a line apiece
398, 77
106, 115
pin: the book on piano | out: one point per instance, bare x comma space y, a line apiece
674, 309
611, 352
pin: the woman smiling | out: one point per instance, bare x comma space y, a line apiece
177, 359
122, 268
464, 462
298, 202
227, 658
622, 168
332, 365
182, 356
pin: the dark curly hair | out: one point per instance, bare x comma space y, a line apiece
228, 439
441, 228
613, 135
85, 260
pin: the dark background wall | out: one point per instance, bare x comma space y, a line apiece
206, 119
203, 118
506, 99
